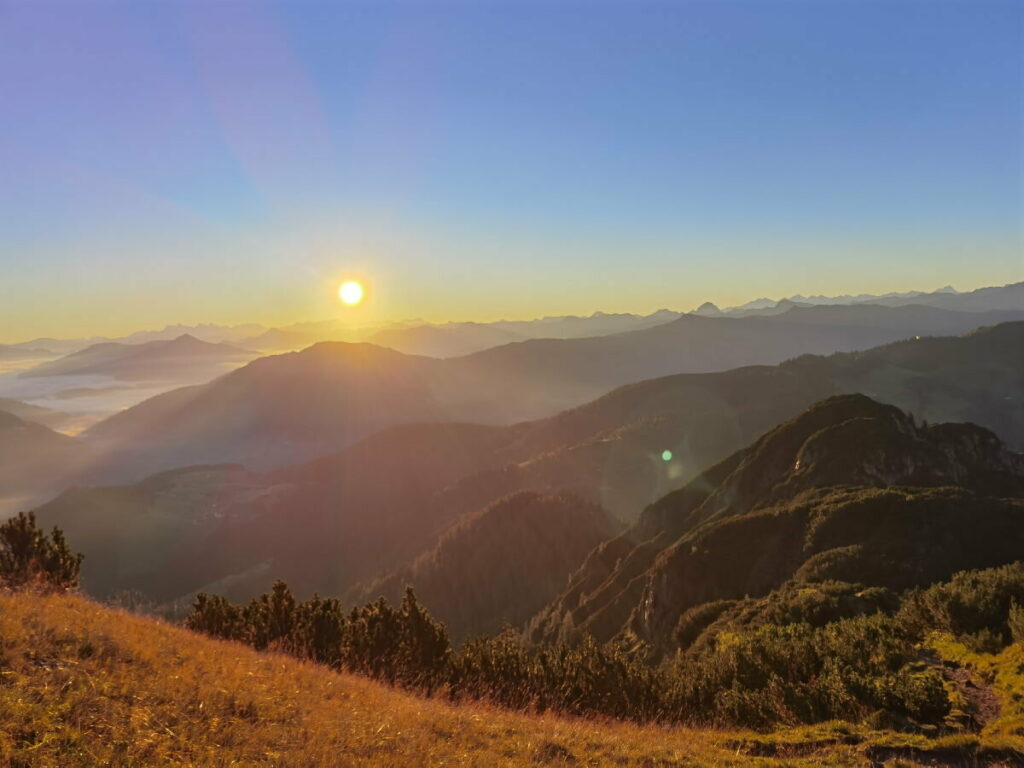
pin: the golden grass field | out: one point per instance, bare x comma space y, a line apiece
85, 685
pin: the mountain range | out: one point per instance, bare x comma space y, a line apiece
183, 357
451, 339
293, 407
350, 517
1003, 297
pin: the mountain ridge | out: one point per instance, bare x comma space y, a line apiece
340, 402
418, 478
768, 501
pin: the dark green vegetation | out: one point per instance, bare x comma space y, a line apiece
851, 491
775, 669
797, 581
349, 517
500, 566
800, 580
30, 557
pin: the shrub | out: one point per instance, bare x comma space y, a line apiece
28, 556
1015, 621
974, 606
213, 615
800, 674
796, 673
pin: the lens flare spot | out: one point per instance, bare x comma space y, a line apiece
350, 292
666, 455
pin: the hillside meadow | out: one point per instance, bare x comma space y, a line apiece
87, 685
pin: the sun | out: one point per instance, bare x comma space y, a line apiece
351, 292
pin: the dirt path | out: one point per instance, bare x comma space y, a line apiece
983, 701
983, 705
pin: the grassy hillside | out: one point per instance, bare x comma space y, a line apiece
84, 685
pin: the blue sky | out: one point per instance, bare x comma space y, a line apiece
232, 161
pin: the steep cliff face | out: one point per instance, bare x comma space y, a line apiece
812, 496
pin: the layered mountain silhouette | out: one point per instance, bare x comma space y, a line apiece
20, 352
361, 512
35, 413
34, 458
174, 359
850, 491
449, 340
995, 298
289, 408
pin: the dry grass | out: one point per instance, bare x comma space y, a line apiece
83, 685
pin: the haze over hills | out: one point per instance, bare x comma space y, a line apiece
455, 339
458, 337
384, 501
34, 460
449, 340
183, 357
995, 298
325, 525
208, 332
850, 491
34, 413
19, 352
289, 408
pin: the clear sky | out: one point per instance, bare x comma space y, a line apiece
230, 161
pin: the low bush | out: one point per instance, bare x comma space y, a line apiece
31, 557
794, 673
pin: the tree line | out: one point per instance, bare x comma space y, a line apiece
860, 668
809, 662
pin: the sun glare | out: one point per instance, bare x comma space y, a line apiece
351, 292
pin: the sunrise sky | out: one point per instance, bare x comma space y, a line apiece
172, 162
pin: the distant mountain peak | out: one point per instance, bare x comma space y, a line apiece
707, 308
186, 339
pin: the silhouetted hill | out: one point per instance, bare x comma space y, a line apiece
851, 490
294, 407
34, 460
279, 409
991, 299
45, 416
154, 360
324, 525
450, 340
22, 352
994, 298
501, 565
